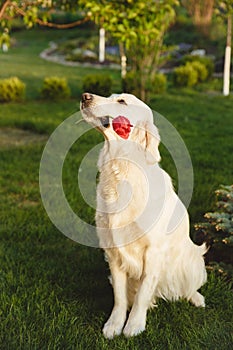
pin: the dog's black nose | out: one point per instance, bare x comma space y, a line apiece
87, 97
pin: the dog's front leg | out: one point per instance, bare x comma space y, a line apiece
137, 318
117, 319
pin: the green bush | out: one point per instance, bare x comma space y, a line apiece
158, 84
100, 84
217, 231
11, 89
207, 61
185, 75
55, 88
201, 70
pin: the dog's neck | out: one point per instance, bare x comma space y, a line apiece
121, 150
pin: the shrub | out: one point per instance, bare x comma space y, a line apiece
55, 88
209, 64
158, 84
217, 230
201, 70
98, 84
185, 75
11, 89
207, 61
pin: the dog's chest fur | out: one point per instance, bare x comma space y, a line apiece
121, 185
111, 176
120, 199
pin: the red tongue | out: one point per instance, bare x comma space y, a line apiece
121, 125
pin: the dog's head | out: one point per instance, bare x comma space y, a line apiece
123, 117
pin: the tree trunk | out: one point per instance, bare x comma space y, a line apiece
227, 63
123, 61
102, 45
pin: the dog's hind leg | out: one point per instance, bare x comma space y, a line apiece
117, 318
198, 300
137, 318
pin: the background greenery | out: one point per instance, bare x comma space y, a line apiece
54, 292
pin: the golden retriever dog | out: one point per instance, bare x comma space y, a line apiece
141, 223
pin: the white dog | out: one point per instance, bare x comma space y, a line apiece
141, 223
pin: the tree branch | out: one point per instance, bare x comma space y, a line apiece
39, 21
4, 7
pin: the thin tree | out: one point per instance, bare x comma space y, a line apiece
227, 62
226, 11
139, 26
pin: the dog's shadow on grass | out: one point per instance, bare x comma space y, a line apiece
81, 274
95, 288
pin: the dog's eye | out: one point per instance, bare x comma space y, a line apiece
122, 101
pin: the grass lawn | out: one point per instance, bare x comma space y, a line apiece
54, 292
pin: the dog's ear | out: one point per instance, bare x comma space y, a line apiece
147, 136
152, 143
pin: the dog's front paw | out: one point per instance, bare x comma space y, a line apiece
112, 328
134, 328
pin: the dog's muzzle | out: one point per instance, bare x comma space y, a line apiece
86, 99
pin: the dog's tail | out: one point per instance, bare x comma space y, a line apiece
204, 248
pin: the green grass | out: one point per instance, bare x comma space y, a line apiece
205, 123
54, 292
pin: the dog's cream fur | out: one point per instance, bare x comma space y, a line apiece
141, 223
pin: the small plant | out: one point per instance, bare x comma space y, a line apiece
55, 88
201, 70
217, 230
11, 90
207, 61
191, 72
185, 75
98, 84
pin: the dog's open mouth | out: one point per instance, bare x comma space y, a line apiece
105, 121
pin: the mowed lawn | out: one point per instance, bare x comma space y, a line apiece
54, 293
